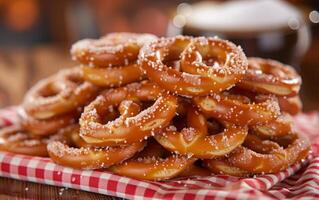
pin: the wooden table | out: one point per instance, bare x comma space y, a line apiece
14, 189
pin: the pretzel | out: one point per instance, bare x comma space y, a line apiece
16, 140
271, 77
114, 49
127, 108
58, 94
278, 127
112, 76
126, 130
223, 166
291, 105
90, 157
72, 133
272, 161
195, 141
46, 127
239, 110
201, 79
153, 164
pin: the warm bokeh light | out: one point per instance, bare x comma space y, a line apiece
314, 16
21, 15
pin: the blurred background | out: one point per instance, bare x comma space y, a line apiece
35, 35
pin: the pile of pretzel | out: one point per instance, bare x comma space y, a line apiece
159, 108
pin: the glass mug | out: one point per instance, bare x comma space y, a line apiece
264, 28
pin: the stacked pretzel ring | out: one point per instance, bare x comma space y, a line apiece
111, 60
161, 108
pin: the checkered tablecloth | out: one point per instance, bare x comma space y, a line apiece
299, 181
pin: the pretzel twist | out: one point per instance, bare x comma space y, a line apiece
202, 79
195, 140
271, 77
58, 94
234, 109
270, 161
126, 130
16, 140
89, 157
46, 127
150, 165
114, 49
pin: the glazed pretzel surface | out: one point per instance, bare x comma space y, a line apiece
238, 109
153, 164
59, 94
202, 79
111, 50
195, 141
124, 130
271, 77
16, 140
90, 157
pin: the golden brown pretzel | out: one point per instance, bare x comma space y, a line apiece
90, 157
126, 130
271, 77
273, 161
195, 140
111, 50
46, 127
155, 57
16, 140
127, 108
234, 109
112, 76
73, 134
223, 166
150, 164
58, 94
291, 105
278, 127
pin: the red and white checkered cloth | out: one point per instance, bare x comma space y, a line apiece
299, 181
